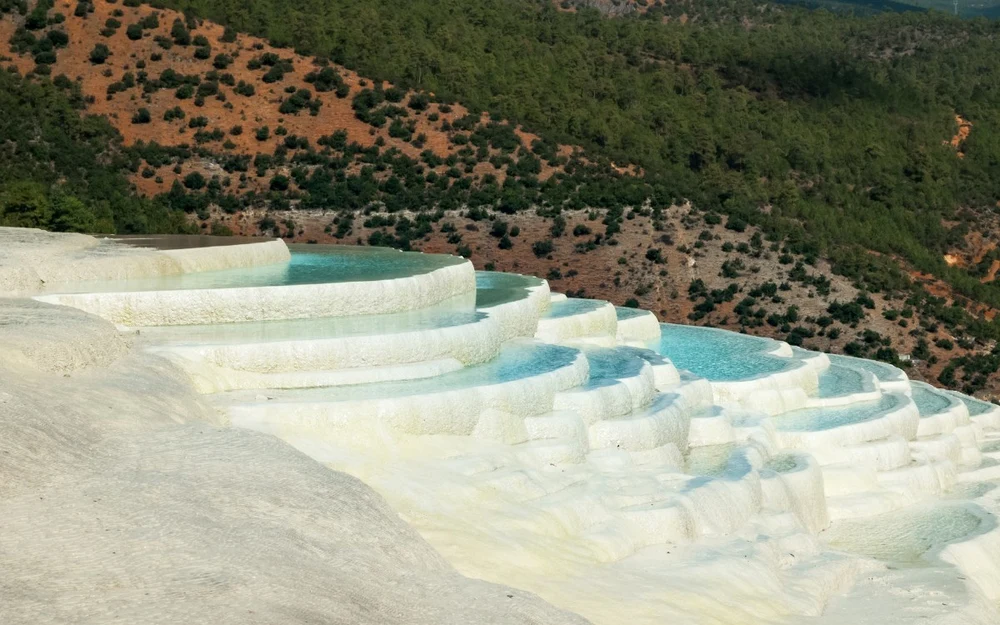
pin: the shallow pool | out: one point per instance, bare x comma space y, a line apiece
929, 400
719, 355
610, 364
817, 419
624, 312
573, 306
310, 264
903, 536
783, 463
970, 490
839, 380
517, 360
494, 288
976, 407
709, 460
882, 371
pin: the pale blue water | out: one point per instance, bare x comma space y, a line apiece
517, 360
929, 400
719, 355
975, 406
494, 288
839, 380
310, 264
882, 371
573, 306
817, 419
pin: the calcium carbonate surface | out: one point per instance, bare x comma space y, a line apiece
627, 471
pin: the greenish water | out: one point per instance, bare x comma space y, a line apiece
903, 536
783, 463
709, 460
494, 288
624, 313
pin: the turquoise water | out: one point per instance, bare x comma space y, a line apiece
517, 360
929, 400
573, 306
719, 355
882, 371
903, 536
494, 288
608, 365
817, 419
646, 354
624, 313
310, 264
839, 380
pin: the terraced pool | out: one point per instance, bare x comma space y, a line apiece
718, 355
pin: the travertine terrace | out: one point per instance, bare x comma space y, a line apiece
248, 433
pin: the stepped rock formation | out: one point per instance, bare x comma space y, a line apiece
123, 500
167, 415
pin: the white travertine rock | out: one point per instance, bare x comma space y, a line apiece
119, 499
568, 320
578, 466
32, 260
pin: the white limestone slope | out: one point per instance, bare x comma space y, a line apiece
121, 500
559, 446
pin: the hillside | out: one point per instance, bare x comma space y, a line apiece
195, 101
734, 182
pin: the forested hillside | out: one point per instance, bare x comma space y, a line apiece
63, 171
806, 145
837, 120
